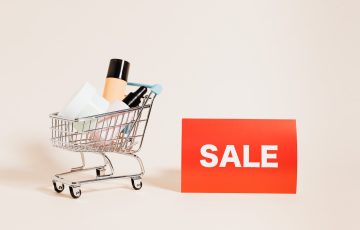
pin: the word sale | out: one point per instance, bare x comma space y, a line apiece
230, 156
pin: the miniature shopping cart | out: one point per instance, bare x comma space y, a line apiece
114, 132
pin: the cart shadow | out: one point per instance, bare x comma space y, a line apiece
37, 166
50, 191
168, 179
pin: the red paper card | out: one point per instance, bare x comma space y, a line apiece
239, 156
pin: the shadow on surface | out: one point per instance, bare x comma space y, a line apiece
85, 189
35, 166
168, 179
50, 192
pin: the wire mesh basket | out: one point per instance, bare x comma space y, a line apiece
120, 131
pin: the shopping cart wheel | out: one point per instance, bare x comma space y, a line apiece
137, 184
75, 192
58, 187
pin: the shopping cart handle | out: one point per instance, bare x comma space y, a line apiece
157, 89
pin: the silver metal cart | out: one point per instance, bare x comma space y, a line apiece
115, 132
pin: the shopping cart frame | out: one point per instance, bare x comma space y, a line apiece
103, 134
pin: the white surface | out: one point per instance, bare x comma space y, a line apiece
258, 59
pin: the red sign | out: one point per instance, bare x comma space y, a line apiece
239, 155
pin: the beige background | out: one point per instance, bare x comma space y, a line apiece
222, 59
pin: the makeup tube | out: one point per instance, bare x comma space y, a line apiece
116, 80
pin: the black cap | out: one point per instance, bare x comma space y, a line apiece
133, 99
118, 69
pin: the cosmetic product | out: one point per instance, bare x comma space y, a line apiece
116, 80
134, 98
86, 102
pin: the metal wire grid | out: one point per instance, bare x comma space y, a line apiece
119, 131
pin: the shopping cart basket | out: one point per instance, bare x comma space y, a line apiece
114, 132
